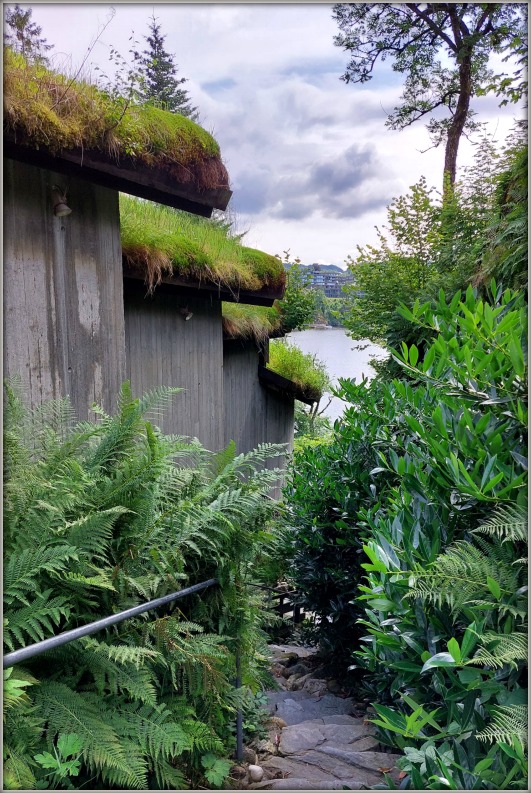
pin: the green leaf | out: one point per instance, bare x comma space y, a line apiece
46, 760
382, 604
454, 650
69, 744
494, 587
493, 482
439, 659
517, 357
428, 359
468, 641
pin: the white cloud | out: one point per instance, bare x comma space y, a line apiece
311, 162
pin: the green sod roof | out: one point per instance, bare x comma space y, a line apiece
302, 369
51, 113
164, 242
250, 322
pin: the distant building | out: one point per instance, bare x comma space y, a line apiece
329, 278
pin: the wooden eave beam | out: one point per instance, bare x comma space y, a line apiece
287, 388
153, 184
263, 297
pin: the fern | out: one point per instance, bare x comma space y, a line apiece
35, 620
461, 576
501, 649
508, 524
99, 517
509, 724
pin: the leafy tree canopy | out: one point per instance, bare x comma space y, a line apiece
24, 36
443, 50
399, 269
298, 305
160, 83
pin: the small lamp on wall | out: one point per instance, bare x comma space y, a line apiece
60, 207
187, 314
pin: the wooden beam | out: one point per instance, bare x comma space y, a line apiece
263, 297
282, 385
153, 184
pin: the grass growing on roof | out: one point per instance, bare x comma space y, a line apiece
168, 241
43, 108
250, 322
301, 368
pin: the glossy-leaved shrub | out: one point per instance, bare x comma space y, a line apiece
414, 467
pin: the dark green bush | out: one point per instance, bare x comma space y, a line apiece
413, 467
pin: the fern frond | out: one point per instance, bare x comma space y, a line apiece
509, 722
123, 668
202, 738
67, 711
508, 524
24, 568
461, 575
35, 620
100, 581
93, 532
156, 732
17, 773
168, 777
500, 649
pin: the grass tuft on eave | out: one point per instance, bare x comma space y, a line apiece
46, 109
303, 369
166, 241
242, 321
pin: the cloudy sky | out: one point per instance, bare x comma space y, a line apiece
311, 163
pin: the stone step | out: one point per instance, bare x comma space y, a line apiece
310, 734
294, 783
297, 706
320, 770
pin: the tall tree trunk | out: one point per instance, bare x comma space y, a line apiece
458, 122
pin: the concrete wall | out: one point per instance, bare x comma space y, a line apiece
253, 413
164, 349
73, 326
62, 310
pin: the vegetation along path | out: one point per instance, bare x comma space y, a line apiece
319, 738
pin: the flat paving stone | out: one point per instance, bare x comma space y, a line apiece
295, 709
309, 734
305, 784
323, 745
318, 768
368, 760
286, 649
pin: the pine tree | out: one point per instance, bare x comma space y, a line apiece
23, 35
160, 83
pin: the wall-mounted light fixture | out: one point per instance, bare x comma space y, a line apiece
60, 207
185, 311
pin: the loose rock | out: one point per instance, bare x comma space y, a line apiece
249, 755
256, 773
238, 772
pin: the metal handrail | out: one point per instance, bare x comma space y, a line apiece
93, 627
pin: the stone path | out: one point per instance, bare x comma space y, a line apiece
319, 738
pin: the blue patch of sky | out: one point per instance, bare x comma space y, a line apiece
312, 67
216, 86
313, 70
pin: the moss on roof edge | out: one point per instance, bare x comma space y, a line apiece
250, 322
161, 242
46, 110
